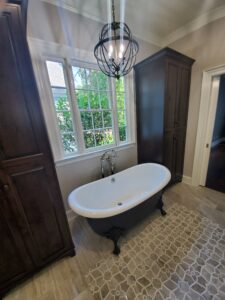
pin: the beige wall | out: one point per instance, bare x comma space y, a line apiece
49, 23
207, 47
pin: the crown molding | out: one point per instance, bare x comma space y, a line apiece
194, 25
156, 40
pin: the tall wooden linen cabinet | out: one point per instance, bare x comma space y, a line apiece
162, 96
33, 225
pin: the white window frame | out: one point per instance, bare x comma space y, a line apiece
42, 51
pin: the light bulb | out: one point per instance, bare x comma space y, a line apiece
110, 50
120, 54
122, 48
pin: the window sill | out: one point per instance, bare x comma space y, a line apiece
84, 156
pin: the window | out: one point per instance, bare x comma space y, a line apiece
90, 108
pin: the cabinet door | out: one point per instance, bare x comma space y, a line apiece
15, 260
31, 185
168, 151
178, 154
181, 110
174, 146
172, 93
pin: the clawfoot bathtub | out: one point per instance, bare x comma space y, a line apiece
116, 203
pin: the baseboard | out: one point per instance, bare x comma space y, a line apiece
70, 215
187, 179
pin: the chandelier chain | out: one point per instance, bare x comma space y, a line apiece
113, 11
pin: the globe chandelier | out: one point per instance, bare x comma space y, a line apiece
116, 49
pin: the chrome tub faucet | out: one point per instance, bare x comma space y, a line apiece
108, 158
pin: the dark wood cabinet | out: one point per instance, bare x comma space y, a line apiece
162, 96
33, 225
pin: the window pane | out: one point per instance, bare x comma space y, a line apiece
104, 99
99, 137
55, 72
93, 79
86, 119
107, 117
109, 136
94, 100
82, 99
89, 139
103, 81
122, 134
120, 97
60, 99
97, 117
120, 85
121, 118
69, 143
80, 79
65, 121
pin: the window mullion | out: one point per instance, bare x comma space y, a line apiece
78, 129
129, 105
114, 110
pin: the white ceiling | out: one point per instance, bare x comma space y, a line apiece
156, 21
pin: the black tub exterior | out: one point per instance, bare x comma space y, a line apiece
113, 227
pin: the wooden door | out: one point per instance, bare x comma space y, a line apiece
25, 157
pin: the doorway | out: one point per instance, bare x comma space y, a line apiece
215, 178
205, 158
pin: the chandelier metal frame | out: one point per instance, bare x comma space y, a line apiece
116, 33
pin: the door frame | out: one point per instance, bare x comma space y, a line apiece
207, 114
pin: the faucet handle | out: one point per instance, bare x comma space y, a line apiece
113, 153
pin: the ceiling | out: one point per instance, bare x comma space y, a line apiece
156, 21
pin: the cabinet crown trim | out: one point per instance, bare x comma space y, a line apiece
166, 53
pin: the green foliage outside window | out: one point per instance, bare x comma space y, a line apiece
65, 124
93, 97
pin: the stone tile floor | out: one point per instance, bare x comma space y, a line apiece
181, 256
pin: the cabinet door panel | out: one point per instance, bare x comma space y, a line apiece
168, 151
16, 125
15, 259
38, 205
34, 186
171, 94
179, 147
183, 100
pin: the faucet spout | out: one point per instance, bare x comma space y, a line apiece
108, 159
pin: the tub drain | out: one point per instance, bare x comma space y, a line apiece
119, 203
